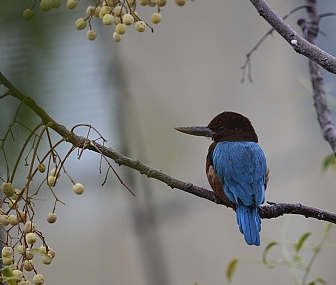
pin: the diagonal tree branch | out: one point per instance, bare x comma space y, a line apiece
273, 210
299, 44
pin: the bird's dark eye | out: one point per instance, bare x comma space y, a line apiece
220, 128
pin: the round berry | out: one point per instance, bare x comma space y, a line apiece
29, 227
7, 251
28, 265
20, 249
16, 195
80, 24
46, 259
45, 5
119, 11
38, 279
151, 3
8, 189
104, 10
120, 29
116, 37
162, 3
18, 274
108, 19
90, 10
29, 255
13, 220
24, 282
156, 18
72, 4
111, 3
78, 188
55, 4
51, 181
96, 12
143, 2
31, 238
128, 19
51, 218
4, 220
91, 35
7, 261
51, 252
41, 167
13, 205
54, 172
28, 14
20, 216
180, 2
140, 26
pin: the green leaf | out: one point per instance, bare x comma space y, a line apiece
301, 241
231, 268
311, 283
264, 257
38, 251
8, 275
330, 160
327, 229
318, 280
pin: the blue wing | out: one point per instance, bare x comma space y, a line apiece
241, 167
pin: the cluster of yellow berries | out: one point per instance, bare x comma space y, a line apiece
13, 272
122, 13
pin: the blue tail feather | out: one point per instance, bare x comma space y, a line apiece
249, 223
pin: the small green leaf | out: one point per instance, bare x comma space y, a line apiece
231, 268
330, 160
327, 229
311, 283
264, 257
38, 251
301, 241
8, 275
322, 281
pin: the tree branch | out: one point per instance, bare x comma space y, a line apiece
273, 210
299, 44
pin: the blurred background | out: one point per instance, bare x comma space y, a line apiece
135, 92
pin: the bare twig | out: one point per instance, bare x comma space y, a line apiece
267, 212
298, 43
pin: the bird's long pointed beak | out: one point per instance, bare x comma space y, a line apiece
196, 131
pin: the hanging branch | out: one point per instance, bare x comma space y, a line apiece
273, 210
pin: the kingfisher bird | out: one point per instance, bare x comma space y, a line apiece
236, 168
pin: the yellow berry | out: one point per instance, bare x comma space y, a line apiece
46, 259
71, 4
20, 249
28, 265
55, 4
151, 3
90, 10
4, 220
7, 261
91, 35
45, 5
140, 26
7, 251
143, 2
41, 167
104, 10
96, 13
116, 37
156, 18
24, 282
28, 14
18, 274
13, 220
20, 216
78, 188
29, 255
51, 181
120, 29
12, 205
111, 3
180, 2
108, 19
128, 19
38, 279
80, 24
119, 11
162, 3
29, 227
51, 252
54, 172
8, 189
51, 218
16, 194
31, 238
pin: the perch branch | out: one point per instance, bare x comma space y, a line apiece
272, 210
